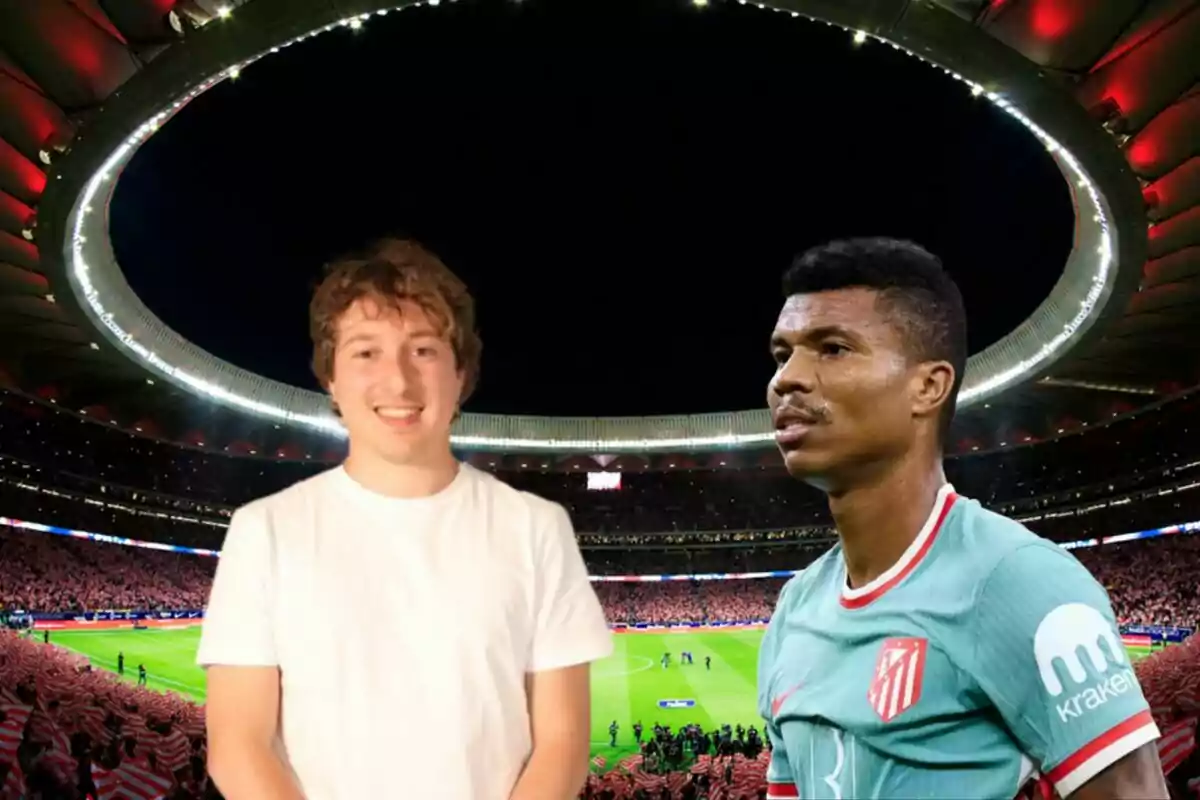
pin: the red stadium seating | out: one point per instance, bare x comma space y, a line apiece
63, 724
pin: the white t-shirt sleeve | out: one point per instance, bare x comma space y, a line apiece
239, 626
570, 627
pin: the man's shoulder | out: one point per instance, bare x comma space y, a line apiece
995, 549
302, 494
987, 538
512, 504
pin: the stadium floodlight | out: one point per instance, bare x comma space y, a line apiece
107, 298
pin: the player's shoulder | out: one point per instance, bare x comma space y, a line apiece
993, 548
992, 537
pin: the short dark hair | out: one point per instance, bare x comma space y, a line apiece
915, 292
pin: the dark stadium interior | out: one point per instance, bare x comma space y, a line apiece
621, 182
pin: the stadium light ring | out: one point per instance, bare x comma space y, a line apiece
1107, 233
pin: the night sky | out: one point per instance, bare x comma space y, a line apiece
621, 183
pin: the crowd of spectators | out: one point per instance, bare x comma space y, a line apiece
733, 776
45, 573
1152, 581
683, 602
69, 732
66, 730
71, 453
38, 494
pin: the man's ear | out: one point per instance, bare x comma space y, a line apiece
931, 388
462, 384
329, 388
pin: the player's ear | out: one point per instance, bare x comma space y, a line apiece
932, 383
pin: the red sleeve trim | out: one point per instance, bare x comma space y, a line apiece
782, 791
1115, 743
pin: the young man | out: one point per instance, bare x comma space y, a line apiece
464, 673
938, 650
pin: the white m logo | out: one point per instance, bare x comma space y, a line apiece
1063, 632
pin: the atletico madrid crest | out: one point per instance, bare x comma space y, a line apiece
896, 686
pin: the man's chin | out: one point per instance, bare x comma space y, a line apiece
408, 452
412, 448
805, 465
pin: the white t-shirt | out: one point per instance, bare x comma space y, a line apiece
403, 629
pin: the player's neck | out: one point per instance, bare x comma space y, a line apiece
878, 520
422, 478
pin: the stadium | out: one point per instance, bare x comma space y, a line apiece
125, 446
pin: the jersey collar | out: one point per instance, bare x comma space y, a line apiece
870, 592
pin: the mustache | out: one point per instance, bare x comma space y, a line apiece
804, 413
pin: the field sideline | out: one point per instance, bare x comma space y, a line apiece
626, 686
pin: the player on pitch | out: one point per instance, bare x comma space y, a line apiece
938, 650
403, 625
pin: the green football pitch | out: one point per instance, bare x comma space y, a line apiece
626, 687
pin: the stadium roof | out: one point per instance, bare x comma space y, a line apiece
1109, 88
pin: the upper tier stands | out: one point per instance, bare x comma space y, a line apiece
121, 513
69, 471
1129, 452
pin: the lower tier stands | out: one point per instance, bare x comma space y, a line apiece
1152, 582
68, 731
682, 602
40, 572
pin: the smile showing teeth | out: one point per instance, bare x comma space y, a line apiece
398, 413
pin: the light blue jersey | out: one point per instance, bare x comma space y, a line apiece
984, 657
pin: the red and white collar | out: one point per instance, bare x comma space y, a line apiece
868, 593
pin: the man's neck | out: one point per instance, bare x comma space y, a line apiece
877, 521
421, 478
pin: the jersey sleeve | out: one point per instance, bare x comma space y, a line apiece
569, 623
239, 621
781, 782
1048, 654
